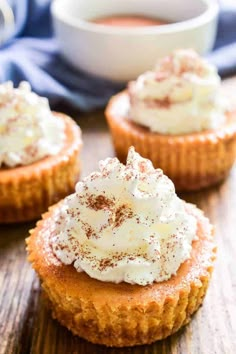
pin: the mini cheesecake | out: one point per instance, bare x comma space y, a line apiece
177, 116
123, 261
27, 191
39, 154
192, 161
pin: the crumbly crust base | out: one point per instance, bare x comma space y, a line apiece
192, 161
27, 191
121, 314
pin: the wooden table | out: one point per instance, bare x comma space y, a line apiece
26, 325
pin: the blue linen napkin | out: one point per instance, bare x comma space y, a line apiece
32, 54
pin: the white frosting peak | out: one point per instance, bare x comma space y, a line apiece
182, 95
124, 223
28, 129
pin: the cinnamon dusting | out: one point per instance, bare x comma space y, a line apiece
121, 214
99, 202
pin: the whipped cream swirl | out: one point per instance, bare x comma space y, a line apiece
124, 223
28, 129
182, 95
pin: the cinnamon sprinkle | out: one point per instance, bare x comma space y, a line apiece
121, 214
164, 103
106, 263
99, 202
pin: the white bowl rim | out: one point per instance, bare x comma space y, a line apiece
211, 12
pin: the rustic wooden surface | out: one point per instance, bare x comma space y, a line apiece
26, 325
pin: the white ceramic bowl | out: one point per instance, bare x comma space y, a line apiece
121, 54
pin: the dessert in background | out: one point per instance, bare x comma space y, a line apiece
38, 154
128, 21
177, 116
123, 261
